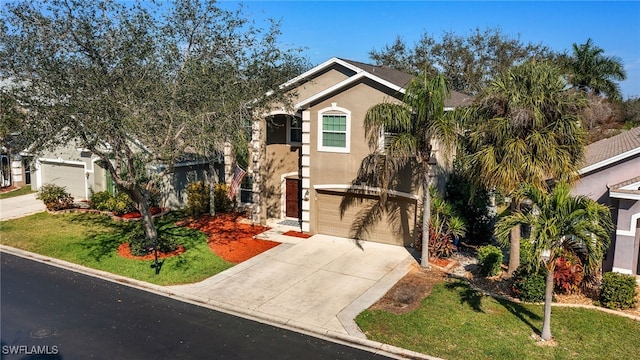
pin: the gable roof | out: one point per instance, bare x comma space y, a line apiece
608, 151
389, 77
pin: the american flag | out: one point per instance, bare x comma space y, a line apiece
238, 174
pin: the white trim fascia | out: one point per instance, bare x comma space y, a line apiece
318, 68
329, 90
62, 161
609, 161
632, 186
622, 195
346, 82
191, 163
364, 187
621, 271
632, 227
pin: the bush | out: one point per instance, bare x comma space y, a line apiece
120, 204
490, 260
55, 197
618, 291
198, 198
222, 202
568, 274
528, 285
99, 200
139, 245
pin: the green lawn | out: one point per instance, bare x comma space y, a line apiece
22, 191
91, 240
454, 322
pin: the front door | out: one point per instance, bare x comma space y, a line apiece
292, 198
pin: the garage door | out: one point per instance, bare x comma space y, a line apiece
70, 176
396, 228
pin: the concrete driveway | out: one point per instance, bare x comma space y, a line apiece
322, 282
19, 206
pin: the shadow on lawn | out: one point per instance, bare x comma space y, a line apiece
474, 299
521, 312
467, 294
105, 234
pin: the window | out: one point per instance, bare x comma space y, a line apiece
334, 130
295, 130
246, 190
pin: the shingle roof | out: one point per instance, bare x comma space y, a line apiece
402, 79
606, 149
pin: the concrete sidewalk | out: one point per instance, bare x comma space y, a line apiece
19, 206
322, 282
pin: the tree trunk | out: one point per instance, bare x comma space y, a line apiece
514, 248
213, 180
548, 297
150, 230
426, 217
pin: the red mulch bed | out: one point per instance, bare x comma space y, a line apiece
297, 234
230, 238
136, 214
125, 252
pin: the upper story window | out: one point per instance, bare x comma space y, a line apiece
294, 130
334, 129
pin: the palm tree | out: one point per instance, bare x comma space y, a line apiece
561, 223
591, 71
410, 130
526, 130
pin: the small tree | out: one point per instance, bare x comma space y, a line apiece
560, 223
136, 84
526, 129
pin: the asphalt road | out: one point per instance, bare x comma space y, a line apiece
66, 315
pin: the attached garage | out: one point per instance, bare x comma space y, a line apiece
71, 176
396, 227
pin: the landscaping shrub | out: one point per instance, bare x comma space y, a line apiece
139, 245
120, 204
222, 202
528, 285
618, 291
99, 200
568, 274
55, 197
198, 198
490, 260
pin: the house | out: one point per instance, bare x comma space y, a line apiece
611, 176
81, 172
305, 158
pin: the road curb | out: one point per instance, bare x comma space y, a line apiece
353, 341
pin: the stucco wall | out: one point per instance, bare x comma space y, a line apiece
280, 159
594, 184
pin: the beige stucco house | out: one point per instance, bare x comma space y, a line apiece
611, 176
305, 158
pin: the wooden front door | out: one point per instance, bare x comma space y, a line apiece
292, 198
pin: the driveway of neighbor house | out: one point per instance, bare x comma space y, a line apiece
318, 283
19, 206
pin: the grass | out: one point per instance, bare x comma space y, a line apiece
92, 240
455, 322
22, 191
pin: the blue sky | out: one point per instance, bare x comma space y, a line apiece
351, 29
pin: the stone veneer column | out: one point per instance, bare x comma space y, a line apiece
229, 159
256, 157
306, 170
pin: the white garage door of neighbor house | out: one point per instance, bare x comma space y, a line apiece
70, 176
331, 223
